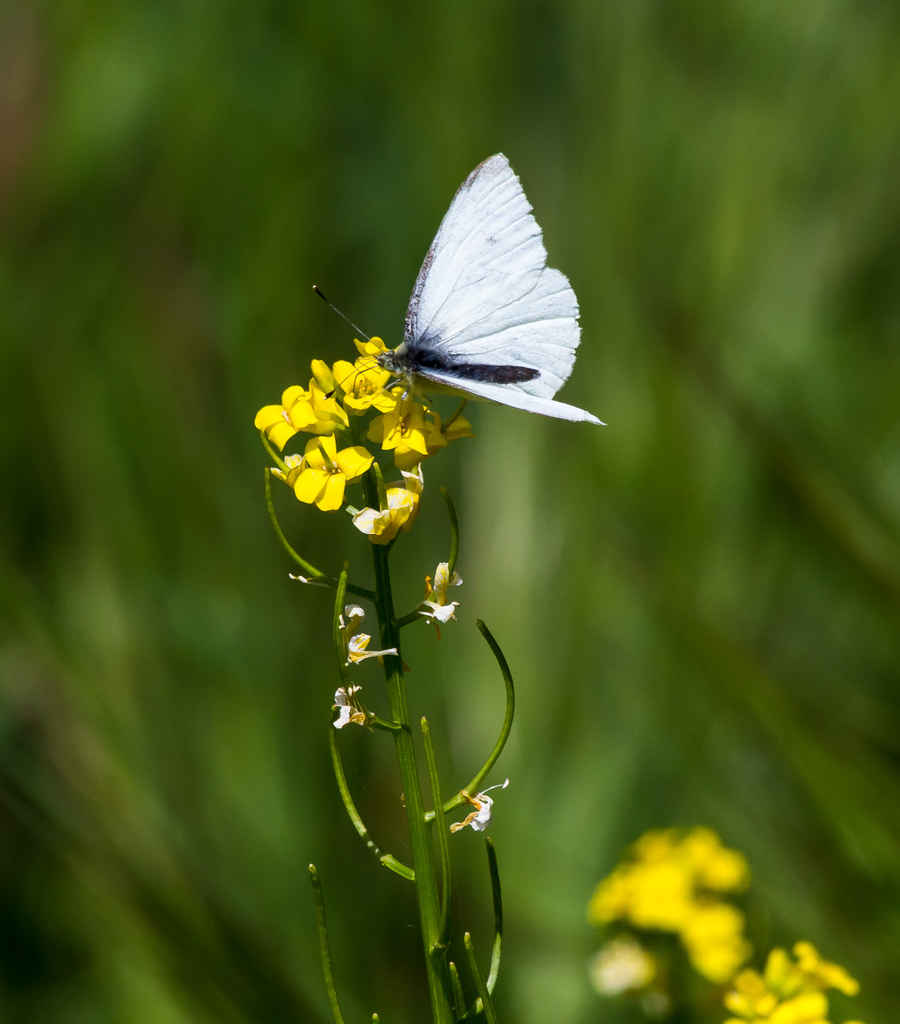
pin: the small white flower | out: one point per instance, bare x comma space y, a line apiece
352, 617
622, 965
311, 581
413, 480
357, 643
294, 463
436, 607
403, 497
348, 707
356, 649
480, 818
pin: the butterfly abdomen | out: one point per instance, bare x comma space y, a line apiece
493, 373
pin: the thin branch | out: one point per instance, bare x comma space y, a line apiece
454, 529
479, 776
336, 632
316, 575
379, 486
458, 1001
409, 618
498, 915
385, 859
487, 1006
324, 949
273, 455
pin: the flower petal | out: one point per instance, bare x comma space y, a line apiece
332, 497
310, 484
353, 462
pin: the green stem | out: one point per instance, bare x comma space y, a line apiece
423, 865
487, 1006
440, 821
337, 635
273, 455
476, 780
315, 575
456, 992
407, 620
454, 528
498, 915
385, 859
324, 948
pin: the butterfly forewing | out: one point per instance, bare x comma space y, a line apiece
484, 289
486, 312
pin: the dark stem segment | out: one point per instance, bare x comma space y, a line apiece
423, 864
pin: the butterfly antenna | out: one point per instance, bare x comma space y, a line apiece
342, 315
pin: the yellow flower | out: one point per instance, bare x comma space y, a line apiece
402, 430
363, 385
320, 412
661, 895
788, 992
750, 997
781, 974
312, 410
714, 866
821, 972
326, 472
322, 375
665, 884
436, 437
713, 937
276, 420
403, 498
807, 1008
372, 347
657, 844
611, 897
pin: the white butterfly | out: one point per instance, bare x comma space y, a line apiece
488, 318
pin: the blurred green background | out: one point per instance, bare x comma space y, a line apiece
700, 602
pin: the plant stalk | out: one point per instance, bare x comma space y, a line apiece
420, 840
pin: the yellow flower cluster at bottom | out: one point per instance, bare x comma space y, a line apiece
671, 882
788, 992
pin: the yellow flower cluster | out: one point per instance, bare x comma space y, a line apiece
788, 991
673, 881
332, 403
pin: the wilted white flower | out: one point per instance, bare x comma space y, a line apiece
436, 606
480, 818
356, 649
348, 707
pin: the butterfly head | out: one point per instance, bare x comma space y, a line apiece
394, 359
